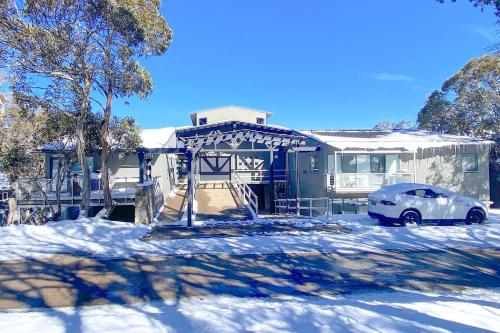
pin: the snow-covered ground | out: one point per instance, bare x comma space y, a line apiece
96, 237
477, 310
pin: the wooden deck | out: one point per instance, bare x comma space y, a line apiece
219, 201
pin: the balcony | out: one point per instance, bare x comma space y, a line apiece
40, 191
368, 182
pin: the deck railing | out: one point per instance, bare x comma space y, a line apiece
260, 176
41, 188
246, 193
304, 206
369, 181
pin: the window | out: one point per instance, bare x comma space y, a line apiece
260, 121
348, 164
470, 163
377, 164
202, 121
421, 193
314, 164
365, 163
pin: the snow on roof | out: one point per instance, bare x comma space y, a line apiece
403, 140
156, 138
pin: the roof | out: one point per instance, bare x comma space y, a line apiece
401, 140
156, 138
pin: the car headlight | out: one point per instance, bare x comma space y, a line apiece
387, 203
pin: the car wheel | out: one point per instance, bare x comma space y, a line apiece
475, 215
410, 217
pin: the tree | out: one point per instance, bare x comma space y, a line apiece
50, 44
436, 114
78, 45
132, 29
482, 4
468, 103
392, 125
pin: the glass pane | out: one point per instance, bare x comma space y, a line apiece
391, 164
377, 163
363, 163
469, 162
349, 163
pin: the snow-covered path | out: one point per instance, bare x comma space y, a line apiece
95, 237
473, 311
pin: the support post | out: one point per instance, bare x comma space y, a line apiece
297, 180
271, 180
140, 154
189, 156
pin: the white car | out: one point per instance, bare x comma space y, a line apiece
410, 203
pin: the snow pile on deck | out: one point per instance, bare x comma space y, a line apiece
474, 311
96, 237
410, 140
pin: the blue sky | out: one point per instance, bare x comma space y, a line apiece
315, 64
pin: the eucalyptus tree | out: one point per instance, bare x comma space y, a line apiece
469, 101
46, 42
133, 29
71, 46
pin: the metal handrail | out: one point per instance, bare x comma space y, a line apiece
246, 194
261, 175
310, 205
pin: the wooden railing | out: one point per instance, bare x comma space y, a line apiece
246, 194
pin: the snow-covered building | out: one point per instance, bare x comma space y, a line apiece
353, 163
274, 168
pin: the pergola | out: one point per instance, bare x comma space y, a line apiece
230, 134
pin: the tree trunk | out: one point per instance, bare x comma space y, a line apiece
105, 146
80, 149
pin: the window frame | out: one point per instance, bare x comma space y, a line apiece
314, 164
476, 162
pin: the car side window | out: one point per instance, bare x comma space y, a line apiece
430, 194
421, 193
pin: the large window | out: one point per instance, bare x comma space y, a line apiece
470, 163
369, 163
202, 121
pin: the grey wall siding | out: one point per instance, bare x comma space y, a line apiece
444, 168
226, 114
312, 184
123, 165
